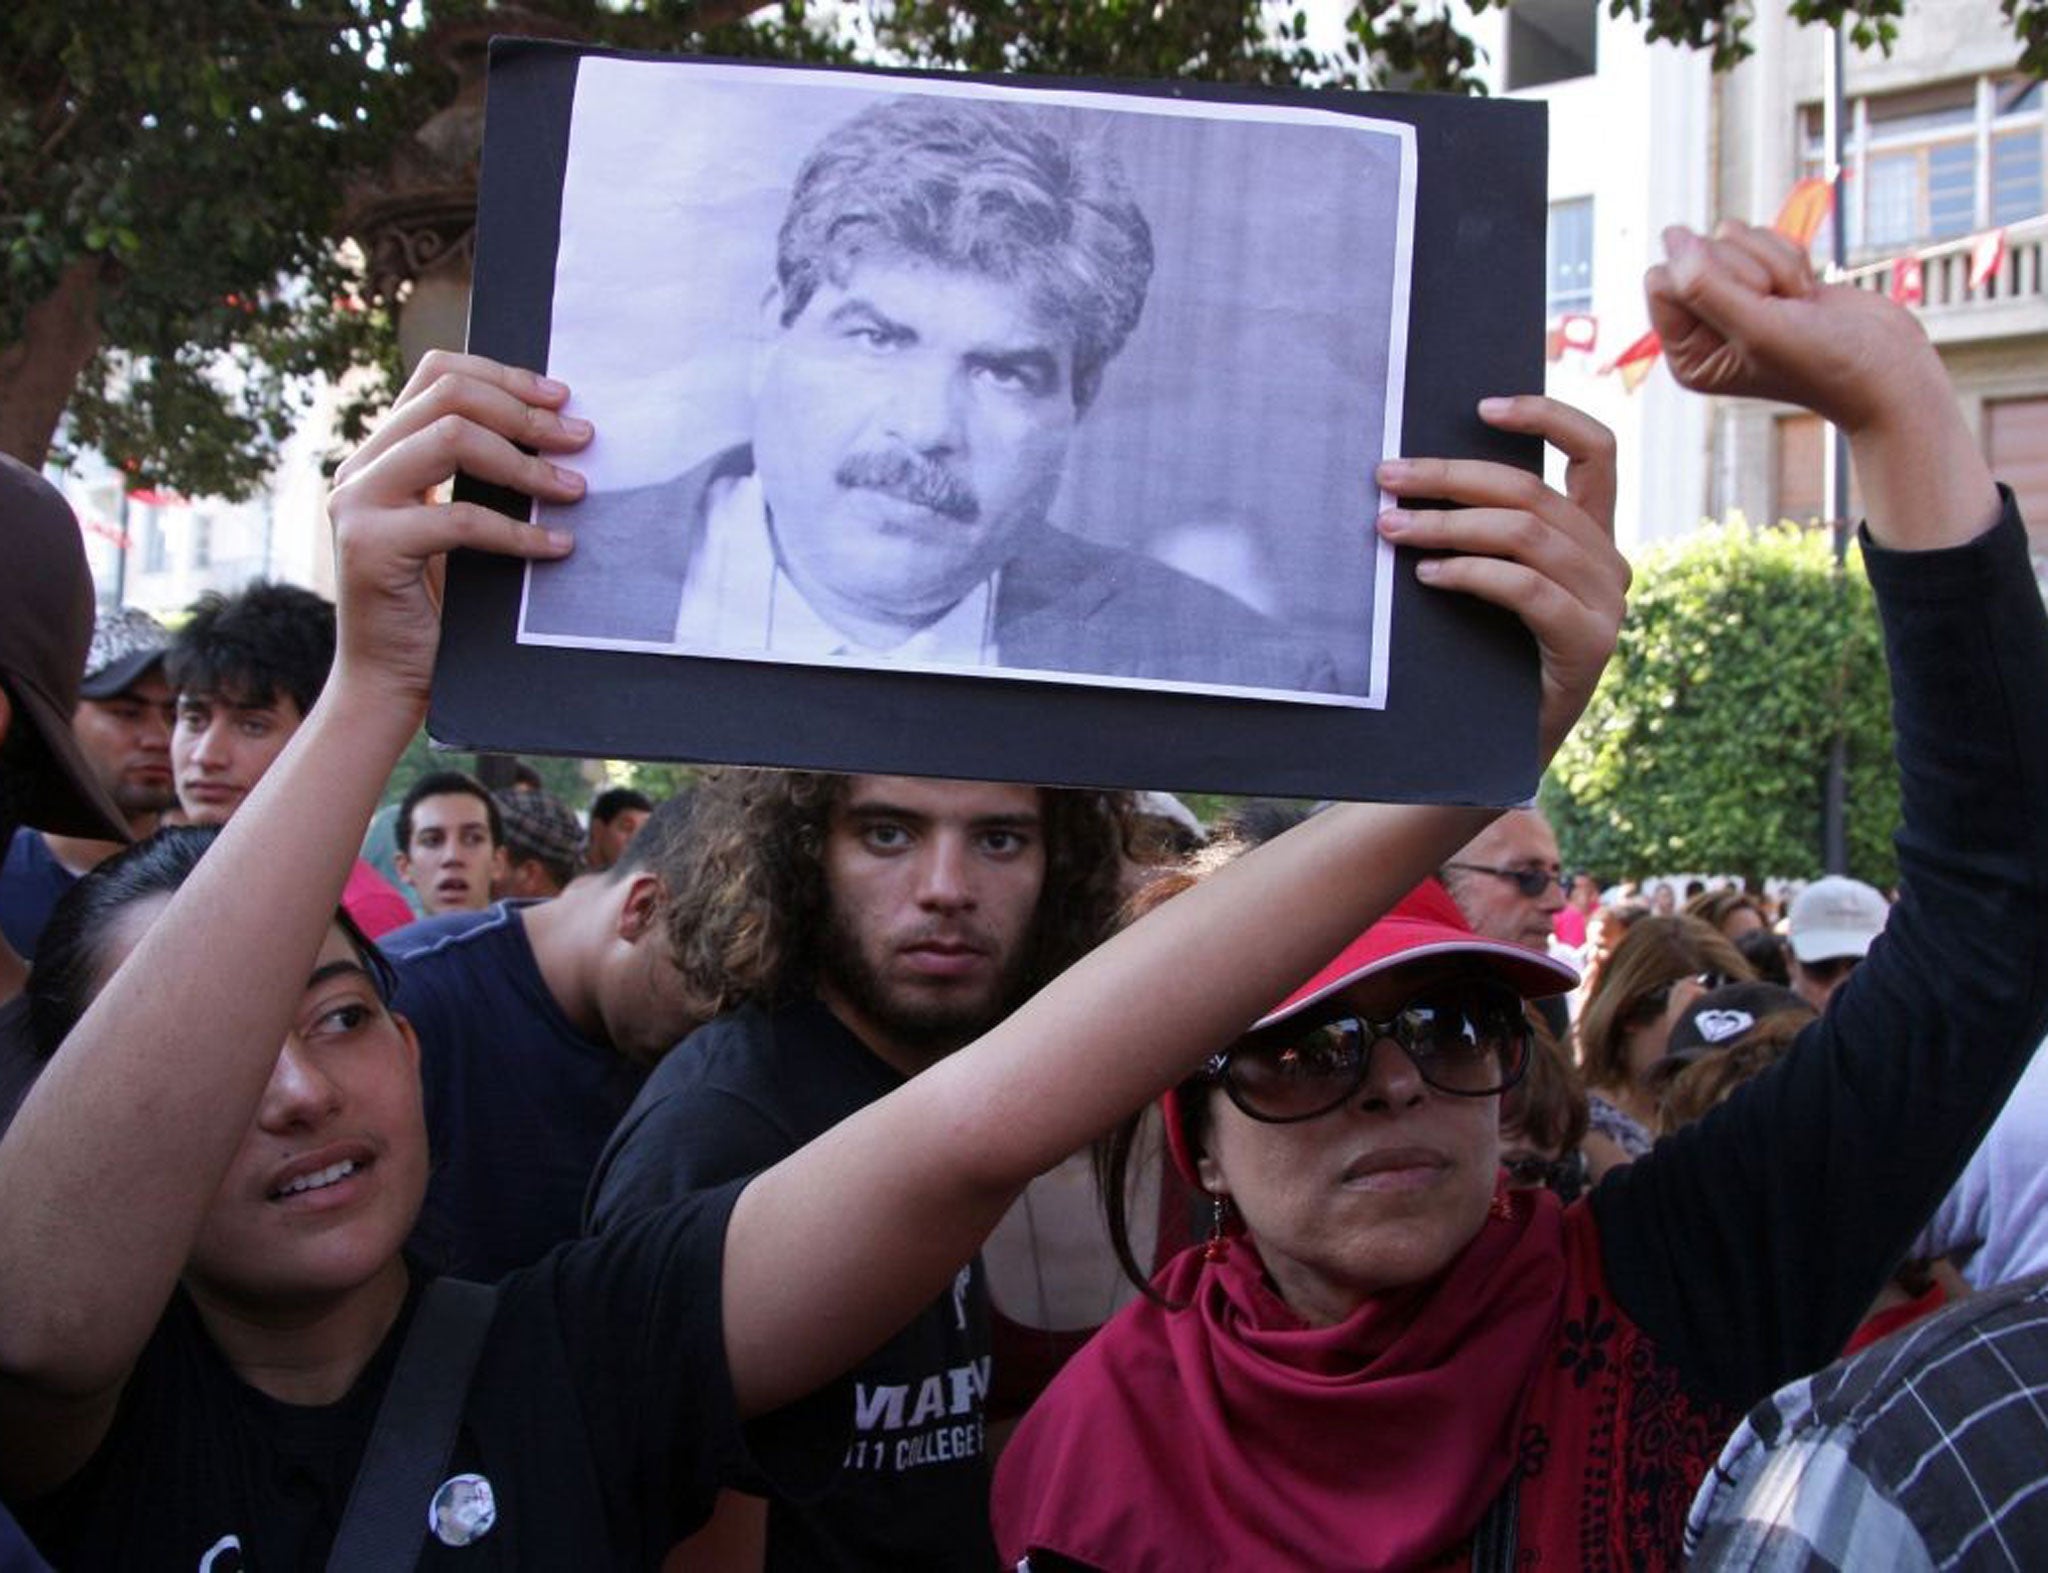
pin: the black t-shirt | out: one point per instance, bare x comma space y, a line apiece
601, 1414
518, 1102
734, 1098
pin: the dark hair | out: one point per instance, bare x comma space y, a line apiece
70, 965
664, 845
609, 804
266, 640
1654, 952
1765, 951
980, 187
525, 778
447, 783
1258, 820
1548, 1105
746, 909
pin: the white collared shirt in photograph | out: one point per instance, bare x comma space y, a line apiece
737, 597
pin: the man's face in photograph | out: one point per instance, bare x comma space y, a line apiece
910, 430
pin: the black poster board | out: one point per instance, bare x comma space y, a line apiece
1454, 717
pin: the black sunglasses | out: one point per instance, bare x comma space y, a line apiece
1469, 1039
1566, 1176
1652, 1003
1531, 882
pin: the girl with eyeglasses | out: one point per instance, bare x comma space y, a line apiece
1387, 1358
1660, 967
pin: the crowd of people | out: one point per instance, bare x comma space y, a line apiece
859, 1171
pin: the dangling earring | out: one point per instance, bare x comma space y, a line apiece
1218, 1243
1501, 1207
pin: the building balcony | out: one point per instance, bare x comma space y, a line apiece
2011, 303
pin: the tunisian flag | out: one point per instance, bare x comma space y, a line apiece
1909, 282
1805, 210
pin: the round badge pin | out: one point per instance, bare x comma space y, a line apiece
463, 1510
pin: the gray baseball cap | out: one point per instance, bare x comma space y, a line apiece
125, 645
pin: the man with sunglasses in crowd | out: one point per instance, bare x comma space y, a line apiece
1509, 882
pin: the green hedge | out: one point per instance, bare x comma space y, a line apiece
1706, 746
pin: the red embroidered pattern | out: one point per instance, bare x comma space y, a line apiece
1613, 1449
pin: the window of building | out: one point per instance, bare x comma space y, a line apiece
1571, 257
1550, 41
2016, 444
1934, 164
156, 549
1802, 451
1804, 454
202, 540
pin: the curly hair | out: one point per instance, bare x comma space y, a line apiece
981, 187
746, 912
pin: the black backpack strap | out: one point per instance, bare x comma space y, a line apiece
1493, 1544
385, 1522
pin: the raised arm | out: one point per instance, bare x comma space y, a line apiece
113, 1159
833, 1249
1742, 314
1750, 1244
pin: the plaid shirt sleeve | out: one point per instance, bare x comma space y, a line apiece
1928, 1450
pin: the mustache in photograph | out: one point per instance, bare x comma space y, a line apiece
913, 480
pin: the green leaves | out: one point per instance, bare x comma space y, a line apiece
1706, 746
162, 158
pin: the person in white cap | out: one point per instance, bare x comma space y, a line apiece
1832, 923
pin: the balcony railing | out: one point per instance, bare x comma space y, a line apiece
1945, 273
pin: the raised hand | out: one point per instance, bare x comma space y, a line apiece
1545, 555
1742, 314
393, 525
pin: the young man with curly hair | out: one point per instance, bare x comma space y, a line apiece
851, 932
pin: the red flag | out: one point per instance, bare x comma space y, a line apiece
1986, 256
1909, 282
1634, 363
1805, 210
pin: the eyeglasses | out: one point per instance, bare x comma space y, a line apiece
1531, 882
1469, 1039
1566, 1176
1654, 1002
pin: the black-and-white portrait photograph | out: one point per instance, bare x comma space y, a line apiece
946, 376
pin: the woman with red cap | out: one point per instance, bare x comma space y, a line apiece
1384, 1358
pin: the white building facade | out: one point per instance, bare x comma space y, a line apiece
1947, 145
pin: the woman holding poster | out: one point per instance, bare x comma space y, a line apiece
1385, 1358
